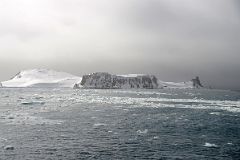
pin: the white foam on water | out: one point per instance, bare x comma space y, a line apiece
145, 131
210, 145
231, 106
26, 114
28, 119
215, 113
3, 139
99, 124
25, 106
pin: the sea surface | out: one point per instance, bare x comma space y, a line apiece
163, 124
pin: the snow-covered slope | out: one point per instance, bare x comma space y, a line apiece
194, 83
163, 84
104, 80
101, 80
42, 78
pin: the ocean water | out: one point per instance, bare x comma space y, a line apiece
174, 124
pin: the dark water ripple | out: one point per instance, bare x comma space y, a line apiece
119, 124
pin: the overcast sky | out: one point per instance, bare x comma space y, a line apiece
173, 39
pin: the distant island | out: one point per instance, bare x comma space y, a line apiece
100, 80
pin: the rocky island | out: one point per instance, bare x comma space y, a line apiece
46, 78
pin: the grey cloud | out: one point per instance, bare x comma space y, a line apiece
173, 39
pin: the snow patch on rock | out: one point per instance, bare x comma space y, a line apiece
103, 80
45, 78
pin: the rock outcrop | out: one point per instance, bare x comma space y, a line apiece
196, 82
45, 78
103, 80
